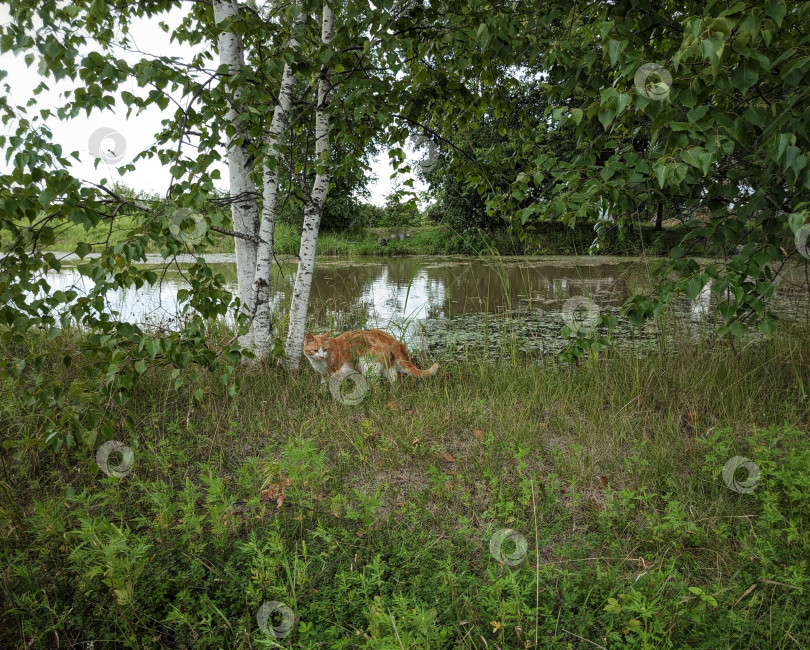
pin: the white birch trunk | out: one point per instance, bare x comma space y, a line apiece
244, 210
262, 327
312, 211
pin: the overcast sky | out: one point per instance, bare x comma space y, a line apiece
126, 137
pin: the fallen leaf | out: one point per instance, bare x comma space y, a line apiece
602, 481
416, 442
445, 456
409, 412
270, 494
479, 434
276, 491
392, 405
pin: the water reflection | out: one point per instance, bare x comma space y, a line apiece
395, 293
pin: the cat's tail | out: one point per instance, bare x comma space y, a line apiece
409, 369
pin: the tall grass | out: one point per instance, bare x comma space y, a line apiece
373, 522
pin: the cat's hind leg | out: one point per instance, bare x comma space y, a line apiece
390, 372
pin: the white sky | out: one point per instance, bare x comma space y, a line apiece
139, 130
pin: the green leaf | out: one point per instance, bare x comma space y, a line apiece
606, 117
737, 329
796, 221
791, 153
767, 326
622, 102
615, 49
691, 156
785, 139
776, 9
744, 76
661, 174
82, 249
694, 287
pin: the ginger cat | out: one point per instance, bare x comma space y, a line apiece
357, 351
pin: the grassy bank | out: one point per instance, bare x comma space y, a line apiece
549, 239
374, 523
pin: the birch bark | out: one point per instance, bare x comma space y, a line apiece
312, 211
244, 209
262, 327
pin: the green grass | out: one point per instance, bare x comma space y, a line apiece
547, 239
611, 471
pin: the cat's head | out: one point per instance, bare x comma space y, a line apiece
316, 346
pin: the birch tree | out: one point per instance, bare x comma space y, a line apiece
262, 326
244, 208
313, 209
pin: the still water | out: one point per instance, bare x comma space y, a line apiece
452, 301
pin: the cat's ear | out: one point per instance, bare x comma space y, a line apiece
308, 337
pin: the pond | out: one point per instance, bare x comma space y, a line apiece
444, 303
